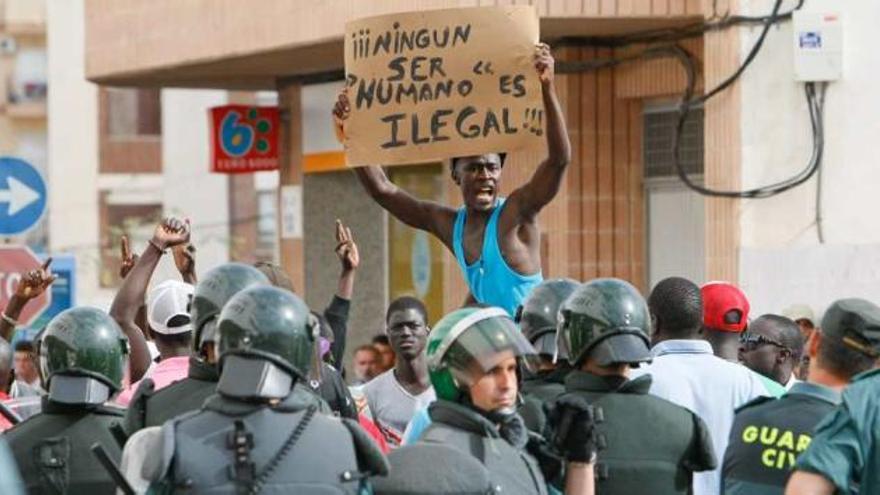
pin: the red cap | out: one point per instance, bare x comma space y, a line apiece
725, 307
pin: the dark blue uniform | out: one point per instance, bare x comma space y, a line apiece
769, 434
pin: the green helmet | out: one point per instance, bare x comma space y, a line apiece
467, 336
606, 319
269, 324
537, 314
83, 342
213, 292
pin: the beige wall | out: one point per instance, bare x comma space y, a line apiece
249, 44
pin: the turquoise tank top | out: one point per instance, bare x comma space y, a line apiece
490, 279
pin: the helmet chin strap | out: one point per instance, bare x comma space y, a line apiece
78, 389
247, 378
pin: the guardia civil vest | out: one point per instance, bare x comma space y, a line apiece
287, 448
644, 441
153, 408
53, 453
511, 470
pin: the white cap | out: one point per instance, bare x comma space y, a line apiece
167, 300
797, 312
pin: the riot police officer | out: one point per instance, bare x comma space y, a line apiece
473, 354
643, 441
149, 408
82, 356
255, 433
537, 320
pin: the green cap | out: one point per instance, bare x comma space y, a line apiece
856, 323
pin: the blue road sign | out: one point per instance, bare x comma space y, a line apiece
22, 196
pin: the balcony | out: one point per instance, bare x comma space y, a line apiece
27, 101
23, 18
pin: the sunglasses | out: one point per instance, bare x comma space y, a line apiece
752, 341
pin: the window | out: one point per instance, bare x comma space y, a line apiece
659, 130
675, 214
133, 112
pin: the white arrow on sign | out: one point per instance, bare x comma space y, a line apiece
18, 195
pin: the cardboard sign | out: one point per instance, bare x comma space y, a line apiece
244, 139
430, 85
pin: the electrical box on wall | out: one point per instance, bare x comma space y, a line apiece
818, 46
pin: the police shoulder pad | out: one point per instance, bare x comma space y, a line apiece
754, 402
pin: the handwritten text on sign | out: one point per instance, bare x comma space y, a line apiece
430, 85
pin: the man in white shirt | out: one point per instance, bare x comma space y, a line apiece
394, 396
686, 372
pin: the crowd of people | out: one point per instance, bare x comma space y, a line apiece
229, 383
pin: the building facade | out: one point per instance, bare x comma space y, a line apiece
622, 211
23, 86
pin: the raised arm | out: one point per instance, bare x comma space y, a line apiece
34, 283
132, 293
544, 184
337, 312
417, 213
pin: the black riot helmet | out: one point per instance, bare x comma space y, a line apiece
537, 315
82, 355
606, 319
266, 336
212, 292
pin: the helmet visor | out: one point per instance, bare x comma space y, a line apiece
483, 344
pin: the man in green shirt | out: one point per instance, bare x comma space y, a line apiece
842, 456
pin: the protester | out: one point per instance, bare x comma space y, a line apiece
725, 317
26, 375
82, 355
802, 315
387, 358
266, 344
502, 270
685, 371
131, 295
769, 435
843, 454
649, 442
394, 396
31, 286
171, 329
152, 407
364, 364
772, 346
6, 379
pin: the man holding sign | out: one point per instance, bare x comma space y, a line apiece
496, 240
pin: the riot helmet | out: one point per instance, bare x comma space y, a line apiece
266, 336
212, 293
606, 319
537, 314
467, 337
82, 355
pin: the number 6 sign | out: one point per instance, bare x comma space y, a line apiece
244, 139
